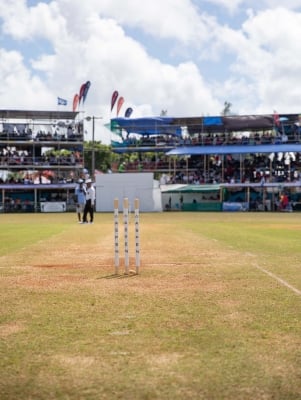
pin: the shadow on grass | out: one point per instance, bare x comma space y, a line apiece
119, 276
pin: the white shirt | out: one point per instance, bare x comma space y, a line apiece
90, 194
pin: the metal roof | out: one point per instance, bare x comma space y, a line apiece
235, 149
210, 124
37, 114
191, 189
170, 188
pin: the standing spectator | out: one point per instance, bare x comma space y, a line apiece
284, 201
90, 202
80, 198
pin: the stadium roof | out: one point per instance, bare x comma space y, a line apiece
146, 126
191, 189
234, 149
34, 114
186, 188
173, 125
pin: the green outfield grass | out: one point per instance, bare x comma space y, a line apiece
214, 314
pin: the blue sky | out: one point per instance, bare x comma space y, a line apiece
184, 56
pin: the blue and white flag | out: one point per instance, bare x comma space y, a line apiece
61, 102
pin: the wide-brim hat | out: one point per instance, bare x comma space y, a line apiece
89, 181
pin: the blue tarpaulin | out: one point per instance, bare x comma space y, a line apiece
207, 121
146, 126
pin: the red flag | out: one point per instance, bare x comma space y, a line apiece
75, 102
119, 104
81, 91
113, 99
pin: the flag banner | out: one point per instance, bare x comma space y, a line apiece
81, 92
61, 102
75, 101
119, 104
86, 89
128, 112
114, 98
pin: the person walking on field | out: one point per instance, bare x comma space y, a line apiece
80, 195
90, 202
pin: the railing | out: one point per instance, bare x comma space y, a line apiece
202, 140
40, 137
17, 161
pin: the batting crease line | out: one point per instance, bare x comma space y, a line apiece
283, 282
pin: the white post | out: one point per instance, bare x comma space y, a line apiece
126, 234
137, 236
116, 235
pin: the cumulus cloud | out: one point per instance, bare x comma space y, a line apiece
28, 23
230, 5
271, 58
20, 88
233, 6
164, 54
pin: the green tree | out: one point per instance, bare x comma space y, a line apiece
104, 157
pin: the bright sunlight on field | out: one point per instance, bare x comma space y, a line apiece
213, 314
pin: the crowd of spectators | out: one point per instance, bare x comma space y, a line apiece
11, 155
253, 138
149, 141
212, 139
253, 168
36, 177
21, 132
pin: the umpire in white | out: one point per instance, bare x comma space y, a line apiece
90, 202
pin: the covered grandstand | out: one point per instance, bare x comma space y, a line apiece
258, 155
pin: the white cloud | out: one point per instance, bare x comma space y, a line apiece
235, 5
288, 4
175, 19
20, 89
230, 5
21, 22
272, 59
101, 49
164, 54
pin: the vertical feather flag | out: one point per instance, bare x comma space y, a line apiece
114, 98
86, 89
119, 104
128, 112
81, 92
75, 101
